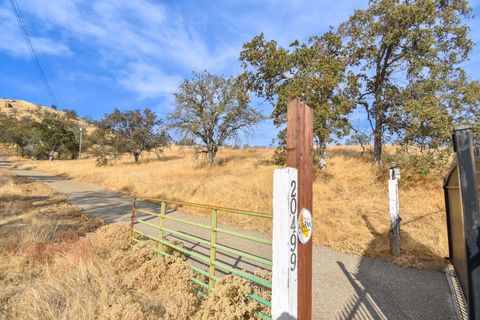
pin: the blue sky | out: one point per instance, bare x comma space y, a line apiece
102, 54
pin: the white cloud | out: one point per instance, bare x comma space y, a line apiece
12, 39
148, 46
126, 29
148, 80
50, 46
285, 20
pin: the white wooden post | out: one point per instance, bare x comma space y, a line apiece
285, 244
394, 209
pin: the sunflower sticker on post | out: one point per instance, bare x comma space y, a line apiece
305, 226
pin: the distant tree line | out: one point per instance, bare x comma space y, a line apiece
210, 112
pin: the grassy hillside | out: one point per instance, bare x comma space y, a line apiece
20, 108
350, 201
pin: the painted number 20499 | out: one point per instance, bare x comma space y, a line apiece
293, 226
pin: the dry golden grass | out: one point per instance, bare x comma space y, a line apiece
49, 270
350, 201
20, 108
8, 150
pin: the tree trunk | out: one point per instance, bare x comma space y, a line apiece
136, 156
212, 152
378, 138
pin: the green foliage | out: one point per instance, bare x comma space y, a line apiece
130, 132
420, 164
399, 60
55, 136
313, 72
213, 110
406, 56
16, 132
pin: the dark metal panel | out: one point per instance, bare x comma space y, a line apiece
467, 173
457, 235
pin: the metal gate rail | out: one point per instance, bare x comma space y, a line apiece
210, 260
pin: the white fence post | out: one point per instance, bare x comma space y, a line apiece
394, 209
285, 244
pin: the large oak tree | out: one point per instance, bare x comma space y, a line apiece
407, 57
213, 110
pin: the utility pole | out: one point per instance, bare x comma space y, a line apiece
80, 144
300, 156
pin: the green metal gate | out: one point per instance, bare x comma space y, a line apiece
140, 215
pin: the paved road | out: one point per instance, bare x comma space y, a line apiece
344, 286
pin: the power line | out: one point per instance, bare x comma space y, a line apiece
25, 8
21, 24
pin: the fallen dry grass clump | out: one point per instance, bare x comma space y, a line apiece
58, 263
230, 299
350, 200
